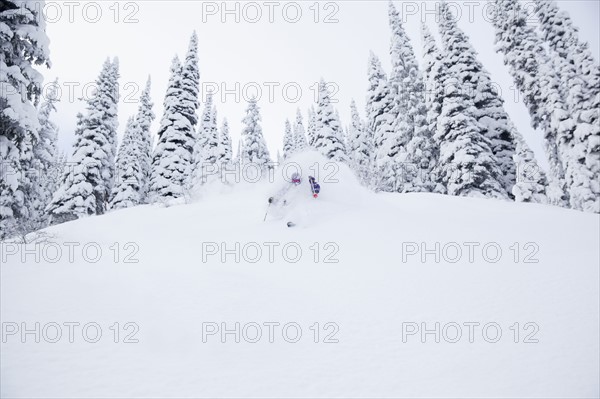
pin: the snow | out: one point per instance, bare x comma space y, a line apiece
368, 294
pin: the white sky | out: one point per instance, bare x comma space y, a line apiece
269, 53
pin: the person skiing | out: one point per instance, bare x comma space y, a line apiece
286, 199
281, 195
314, 186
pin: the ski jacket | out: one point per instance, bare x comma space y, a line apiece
314, 186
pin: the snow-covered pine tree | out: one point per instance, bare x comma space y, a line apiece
433, 76
341, 133
190, 83
417, 153
348, 146
45, 157
254, 148
563, 38
127, 189
299, 132
360, 145
580, 85
312, 126
531, 183
143, 122
406, 84
206, 149
75, 196
57, 172
238, 155
24, 44
289, 142
477, 82
112, 123
579, 73
532, 71
86, 187
225, 151
328, 135
467, 165
217, 148
422, 153
172, 159
134, 161
380, 122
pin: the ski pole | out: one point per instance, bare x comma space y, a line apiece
267, 212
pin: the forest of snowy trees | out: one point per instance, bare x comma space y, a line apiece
433, 125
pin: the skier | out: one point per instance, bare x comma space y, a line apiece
314, 186
281, 195
284, 199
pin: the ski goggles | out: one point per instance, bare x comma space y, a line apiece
296, 180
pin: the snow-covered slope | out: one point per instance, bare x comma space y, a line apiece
376, 294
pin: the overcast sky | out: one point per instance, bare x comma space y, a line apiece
280, 48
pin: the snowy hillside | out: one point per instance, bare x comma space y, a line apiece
359, 274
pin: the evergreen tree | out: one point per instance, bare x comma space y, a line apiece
477, 82
238, 155
532, 71
417, 154
421, 163
467, 165
312, 126
190, 83
580, 86
434, 75
254, 148
328, 136
340, 132
112, 124
172, 159
45, 157
360, 146
348, 145
127, 190
289, 144
406, 84
206, 149
225, 151
56, 174
24, 44
575, 57
531, 183
134, 161
299, 133
86, 188
143, 123
380, 121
